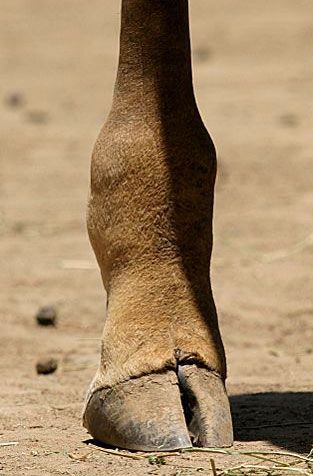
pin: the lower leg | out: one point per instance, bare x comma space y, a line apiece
151, 232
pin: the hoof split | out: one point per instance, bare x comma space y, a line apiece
162, 412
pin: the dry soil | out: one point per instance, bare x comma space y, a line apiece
253, 67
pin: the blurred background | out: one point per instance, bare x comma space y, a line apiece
253, 75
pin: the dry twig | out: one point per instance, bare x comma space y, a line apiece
275, 466
116, 452
213, 467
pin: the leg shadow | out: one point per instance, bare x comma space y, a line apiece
283, 419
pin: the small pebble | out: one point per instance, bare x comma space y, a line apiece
289, 120
46, 366
202, 54
15, 100
46, 316
37, 117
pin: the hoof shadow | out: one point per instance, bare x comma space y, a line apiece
283, 419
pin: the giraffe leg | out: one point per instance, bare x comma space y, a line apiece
152, 238
150, 224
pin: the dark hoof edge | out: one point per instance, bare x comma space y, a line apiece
206, 407
154, 412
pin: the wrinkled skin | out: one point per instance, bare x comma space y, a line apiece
160, 383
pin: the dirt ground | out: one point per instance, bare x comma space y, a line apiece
254, 79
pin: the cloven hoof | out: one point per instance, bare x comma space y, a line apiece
162, 412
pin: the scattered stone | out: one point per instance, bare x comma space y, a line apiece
157, 460
46, 366
15, 100
18, 227
46, 316
37, 117
289, 120
202, 54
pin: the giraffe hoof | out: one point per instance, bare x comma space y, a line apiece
206, 407
143, 414
162, 412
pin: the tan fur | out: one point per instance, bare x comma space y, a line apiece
150, 210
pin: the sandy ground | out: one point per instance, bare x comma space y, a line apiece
254, 80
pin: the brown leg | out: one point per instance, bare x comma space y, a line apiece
150, 224
153, 239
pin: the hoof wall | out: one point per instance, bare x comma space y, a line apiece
162, 412
139, 414
206, 407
